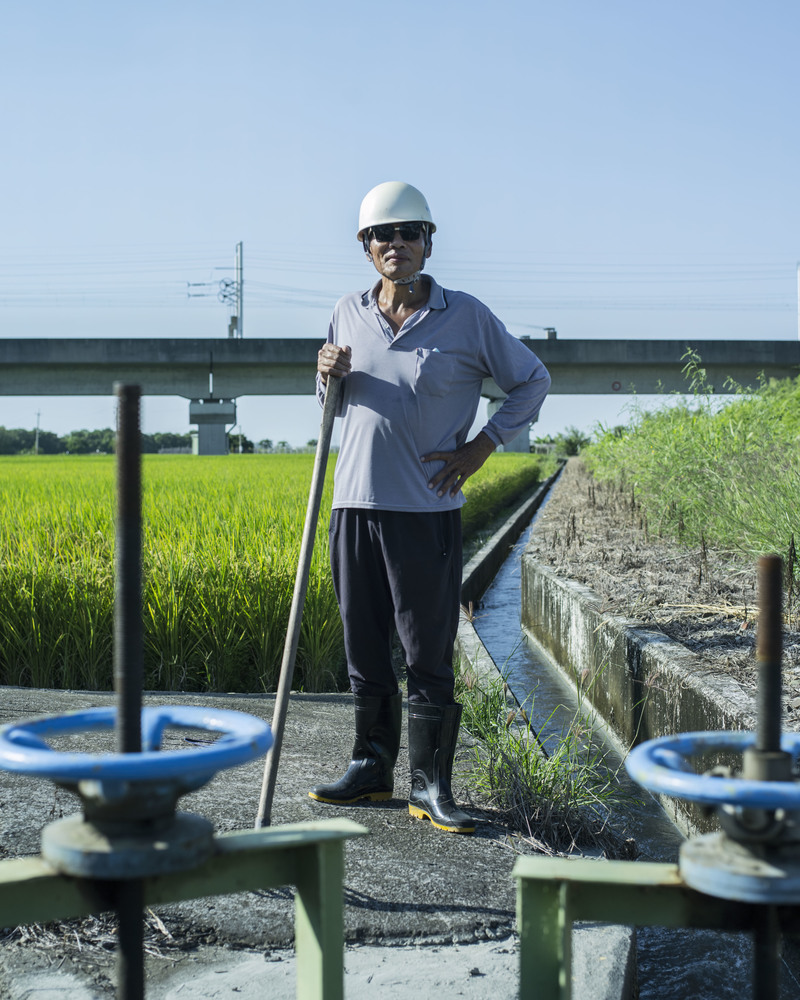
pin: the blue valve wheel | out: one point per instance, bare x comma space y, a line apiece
664, 766
23, 746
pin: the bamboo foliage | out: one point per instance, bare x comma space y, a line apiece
705, 470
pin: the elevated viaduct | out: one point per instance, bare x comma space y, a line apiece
274, 366
285, 366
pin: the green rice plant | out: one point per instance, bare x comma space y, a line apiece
559, 792
221, 542
502, 481
220, 546
322, 661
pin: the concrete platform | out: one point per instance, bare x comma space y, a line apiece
424, 910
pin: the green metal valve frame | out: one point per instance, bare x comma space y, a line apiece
309, 856
554, 893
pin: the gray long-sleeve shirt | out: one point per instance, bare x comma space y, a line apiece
418, 392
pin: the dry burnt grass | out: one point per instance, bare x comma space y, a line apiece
87, 947
591, 532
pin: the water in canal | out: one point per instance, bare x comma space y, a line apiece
671, 964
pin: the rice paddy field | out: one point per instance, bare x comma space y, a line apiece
221, 541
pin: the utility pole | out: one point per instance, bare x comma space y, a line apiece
232, 293
36, 441
239, 289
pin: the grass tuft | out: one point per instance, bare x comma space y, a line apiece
558, 792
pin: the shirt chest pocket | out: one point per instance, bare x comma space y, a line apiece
434, 374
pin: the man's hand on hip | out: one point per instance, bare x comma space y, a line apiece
460, 464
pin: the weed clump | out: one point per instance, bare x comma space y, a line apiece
558, 791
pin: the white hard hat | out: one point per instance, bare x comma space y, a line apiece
393, 201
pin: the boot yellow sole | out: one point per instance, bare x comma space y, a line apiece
369, 797
418, 813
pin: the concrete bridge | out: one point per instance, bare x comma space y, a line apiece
261, 367
180, 367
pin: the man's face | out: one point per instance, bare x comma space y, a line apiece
398, 257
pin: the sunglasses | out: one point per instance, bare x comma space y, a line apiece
409, 231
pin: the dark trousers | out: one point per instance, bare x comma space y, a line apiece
398, 570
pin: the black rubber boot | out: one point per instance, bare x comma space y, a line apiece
371, 771
432, 737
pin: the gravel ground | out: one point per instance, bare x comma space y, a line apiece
406, 884
706, 599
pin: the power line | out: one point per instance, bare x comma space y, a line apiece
169, 276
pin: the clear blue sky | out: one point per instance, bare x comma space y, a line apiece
620, 169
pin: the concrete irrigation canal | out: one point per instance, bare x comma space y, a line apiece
424, 913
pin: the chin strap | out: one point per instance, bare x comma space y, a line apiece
409, 281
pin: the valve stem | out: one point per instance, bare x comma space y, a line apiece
128, 666
769, 652
765, 761
128, 640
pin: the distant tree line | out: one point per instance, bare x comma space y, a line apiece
19, 441
569, 442
281, 447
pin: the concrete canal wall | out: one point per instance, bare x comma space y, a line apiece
483, 566
640, 682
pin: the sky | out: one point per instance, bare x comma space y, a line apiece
625, 169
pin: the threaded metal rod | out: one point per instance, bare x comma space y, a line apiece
766, 954
130, 949
769, 652
128, 641
128, 665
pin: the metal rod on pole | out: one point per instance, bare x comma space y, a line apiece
298, 598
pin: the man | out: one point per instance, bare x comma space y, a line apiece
412, 357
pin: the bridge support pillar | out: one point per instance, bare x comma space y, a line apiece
213, 417
522, 442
